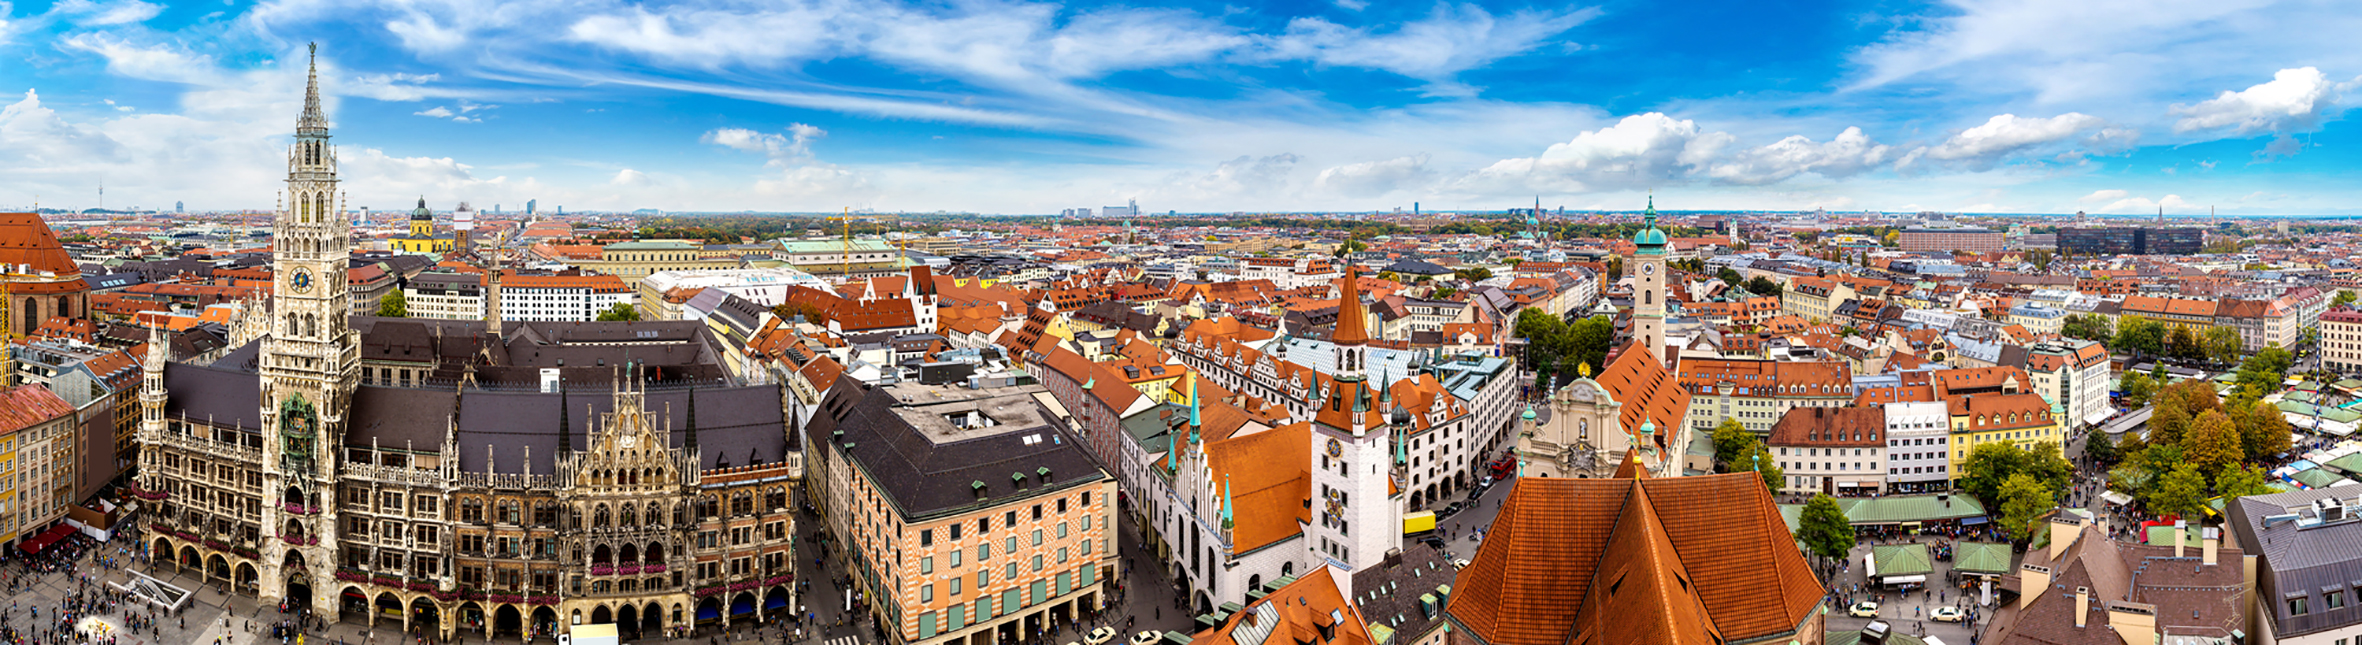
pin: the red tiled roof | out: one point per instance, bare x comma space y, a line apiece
25, 406
1558, 545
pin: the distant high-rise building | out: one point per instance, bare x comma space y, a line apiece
2125, 240
530, 205
179, 207
561, 210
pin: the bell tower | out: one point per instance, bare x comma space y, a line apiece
310, 363
1648, 285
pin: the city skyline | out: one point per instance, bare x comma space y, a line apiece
2111, 108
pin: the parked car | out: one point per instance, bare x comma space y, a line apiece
1433, 541
1147, 638
1946, 614
1863, 609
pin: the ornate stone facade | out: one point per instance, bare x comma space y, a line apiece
492, 509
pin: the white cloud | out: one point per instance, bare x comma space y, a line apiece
166, 63
792, 147
96, 14
1374, 178
1984, 146
1452, 39
438, 112
1351, 5
388, 87
1245, 176
2098, 196
798, 175
2295, 100
1641, 151
629, 177
2134, 205
32, 135
712, 38
1849, 154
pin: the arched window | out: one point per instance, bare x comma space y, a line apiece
599, 516
630, 515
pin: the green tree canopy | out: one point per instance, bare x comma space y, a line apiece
2023, 500
2139, 335
1731, 440
2221, 343
2241, 481
1762, 286
1824, 529
2087, 327
620, 312
2263, 431
1767, 466
2343, 298
393, 304
2180, 491
2138, 388
2182, 343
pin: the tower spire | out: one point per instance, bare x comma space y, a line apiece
313, 119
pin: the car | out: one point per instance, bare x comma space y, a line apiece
1433, 541
1863, 609
1099, 636
1946, 615
1146, 638
1461, 563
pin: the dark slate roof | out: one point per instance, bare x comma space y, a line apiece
1390, 594
738, 426
218, 396
2301, 561
928, 479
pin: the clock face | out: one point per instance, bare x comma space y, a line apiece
1650, 269
301, 281
1335, 448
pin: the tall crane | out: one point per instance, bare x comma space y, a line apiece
845, 263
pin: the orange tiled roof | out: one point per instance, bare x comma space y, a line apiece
1559, 545
25, 406
1649, 393
1267, 473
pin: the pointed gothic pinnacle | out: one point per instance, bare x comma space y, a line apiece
312, 116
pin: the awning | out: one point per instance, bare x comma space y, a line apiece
2096, 417
1869, 564
1972, 521
1906, 580
2116, 498
709, 613
35, 544
743, 606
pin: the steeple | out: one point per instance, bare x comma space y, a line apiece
314, 121
1350, 319
692, 418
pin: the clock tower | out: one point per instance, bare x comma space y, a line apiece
1648, 285
310, 363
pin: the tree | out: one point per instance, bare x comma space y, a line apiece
2221, 344
1763, 287
1824, 530
2262, 373
2212, 442
1589, 340
1615, 267
620, 312
2343, 298
1350, 247
2263, 431
1761, 460
1730, 276
2241, 481
2048, 467
1473, 274
393, 304
2100, 449
2138, 388
2182, 343
1731, 439
2023, 500
2140, 335
2180, 491
1990, 465
2086, 327
2167, 423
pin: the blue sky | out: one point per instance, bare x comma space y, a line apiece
1031, 107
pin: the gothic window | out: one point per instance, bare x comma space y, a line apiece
631, 515
599, 516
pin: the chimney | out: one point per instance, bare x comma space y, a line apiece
2209, 546
2063, 533
2135, 622
2082, 605
2180, 538
2033, 580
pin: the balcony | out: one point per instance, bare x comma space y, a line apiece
299, 509
307, 540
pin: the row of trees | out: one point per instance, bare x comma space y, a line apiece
1556, 350
2198, 447
2214, 343
1737, 450
2017, 485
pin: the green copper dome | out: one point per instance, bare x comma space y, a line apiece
1650, 240
1529, 413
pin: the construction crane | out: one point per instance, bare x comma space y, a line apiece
845, 263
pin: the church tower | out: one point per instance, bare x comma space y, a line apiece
1356, 514
309, 366
1648, 285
